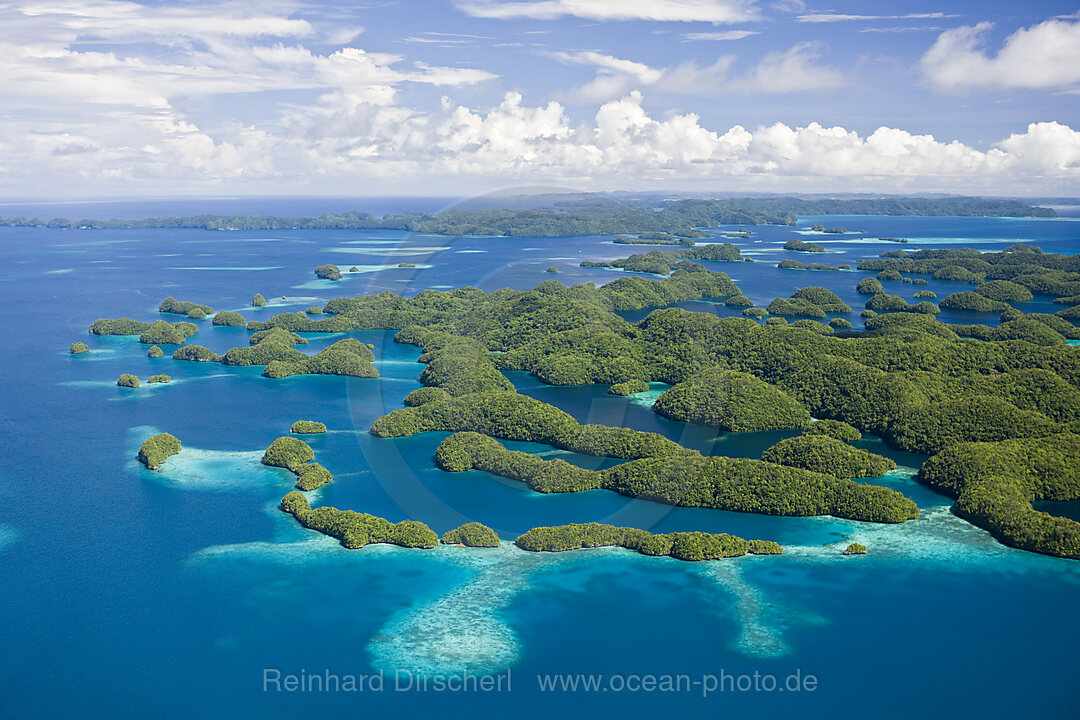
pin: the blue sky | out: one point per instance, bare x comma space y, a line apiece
468, 96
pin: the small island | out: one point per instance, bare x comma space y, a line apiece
628, 387
328, 272
855, 549
258, 300
159, 379
157, 448
228, 318
355, 530
128, 381
195, 353
154, 352
296, 455
78, 348
307, 427
802, 246
406, 265
552, 269
288, 452
178, 307
471, 534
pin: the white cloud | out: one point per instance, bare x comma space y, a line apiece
795, 70
837, 17
1046, 55
615, 77
714, 11
367, 142
87, 112
725, 35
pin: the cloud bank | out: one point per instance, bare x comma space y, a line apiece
1046, 55
115, 98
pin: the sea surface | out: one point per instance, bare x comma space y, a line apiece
131, 593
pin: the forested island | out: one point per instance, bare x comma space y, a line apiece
693, 546
588, 215
997, 407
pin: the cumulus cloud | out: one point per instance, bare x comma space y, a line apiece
93, 91
368, 142
714, 11
1046, 55
793, 70
88, 114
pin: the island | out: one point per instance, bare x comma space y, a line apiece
732, 401
159, 379
288, 452
177, 307
664, 262
78, 348
307, 427
628, 387
833, 428
662, 471
802, 246
154, 352
127, 380
155, 333
296, 456
995, 406
796, 265
328, 272
355, 530
585, 214
825, 454
855, 549
156, 449
228, 318
196, 353
258, 300
471, 534
692, 546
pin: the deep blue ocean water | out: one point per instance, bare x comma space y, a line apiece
128, 592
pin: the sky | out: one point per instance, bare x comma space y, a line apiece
108, 99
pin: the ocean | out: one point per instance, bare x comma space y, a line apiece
128, 592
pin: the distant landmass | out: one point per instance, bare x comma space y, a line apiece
589, 215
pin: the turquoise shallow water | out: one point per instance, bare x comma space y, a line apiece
130, 592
